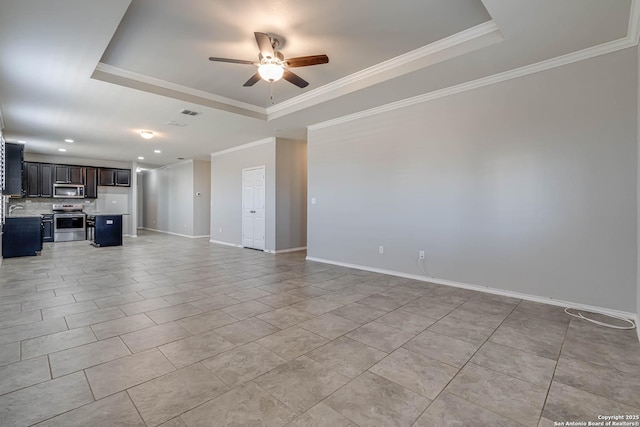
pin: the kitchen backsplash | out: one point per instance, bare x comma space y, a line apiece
42, 205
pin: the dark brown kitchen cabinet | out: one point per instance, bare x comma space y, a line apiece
68, 174
90, 182
37, 179
123, 177
114, 177
14, 154
106, 177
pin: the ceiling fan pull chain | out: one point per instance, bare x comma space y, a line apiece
272, 101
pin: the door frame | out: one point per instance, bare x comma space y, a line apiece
264, 189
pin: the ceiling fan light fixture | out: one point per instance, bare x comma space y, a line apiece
270, 71
146, 134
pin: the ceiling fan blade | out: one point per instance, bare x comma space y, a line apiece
253, 80
264, 44
295, 79
305, 61
233, 61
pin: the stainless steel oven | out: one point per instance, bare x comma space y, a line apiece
69, 223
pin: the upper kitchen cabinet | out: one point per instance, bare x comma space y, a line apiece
68, 174
114, 177
90, 182
13, 169
37, 179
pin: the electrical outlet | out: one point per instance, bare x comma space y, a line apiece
221, 229
313, 200
381, 249
421, 255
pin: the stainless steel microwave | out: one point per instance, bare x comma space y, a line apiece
68, 191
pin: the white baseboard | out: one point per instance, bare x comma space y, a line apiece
486, 289
172, 233
283, 251
225, 243
638, 327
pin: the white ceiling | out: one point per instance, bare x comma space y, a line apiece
99, 72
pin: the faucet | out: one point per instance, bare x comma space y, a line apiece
14, 207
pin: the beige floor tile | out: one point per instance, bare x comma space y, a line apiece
24, 374
329, 325
321, 416
68, 309
510, 397
195, 348
85, 356
371, 400
423, 375
32, 330
249, 294
175, 422
205, 321
214, 302
246, 331
449, 409
154, 336
380, 336
566, 403
291, 343
359, 313
301, 383
93, 317
45, 400
116, 410
47, 302
46, 344
318, 305
184, 297
170, 314
121, 326
247, 405
243, 364
443, 348
427, 307
129, 371
9, 353
285, 317
471, 332
519, 364
600, 380
246, 309
405, 321
170, 395
346, 356
280, 300
142, 306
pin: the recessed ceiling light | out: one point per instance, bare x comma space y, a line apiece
157, 151
70, 141
146, 134
140, 158
62, 149
21, 141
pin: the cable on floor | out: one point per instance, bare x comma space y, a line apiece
606, 325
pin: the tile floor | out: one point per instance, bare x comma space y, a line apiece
172, 331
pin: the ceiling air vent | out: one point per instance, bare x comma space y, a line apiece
189, 112
174, 123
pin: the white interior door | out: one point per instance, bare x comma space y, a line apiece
253, 220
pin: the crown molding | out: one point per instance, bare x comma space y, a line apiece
455, 45
122, 77
559, 61
244, 146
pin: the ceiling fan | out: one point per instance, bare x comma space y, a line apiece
272, 65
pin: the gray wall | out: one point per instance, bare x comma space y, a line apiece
226, 192
201, 203
291, 194
528, 185
168, 199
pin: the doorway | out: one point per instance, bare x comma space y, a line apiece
253, 209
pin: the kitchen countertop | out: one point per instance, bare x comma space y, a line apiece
25, 215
